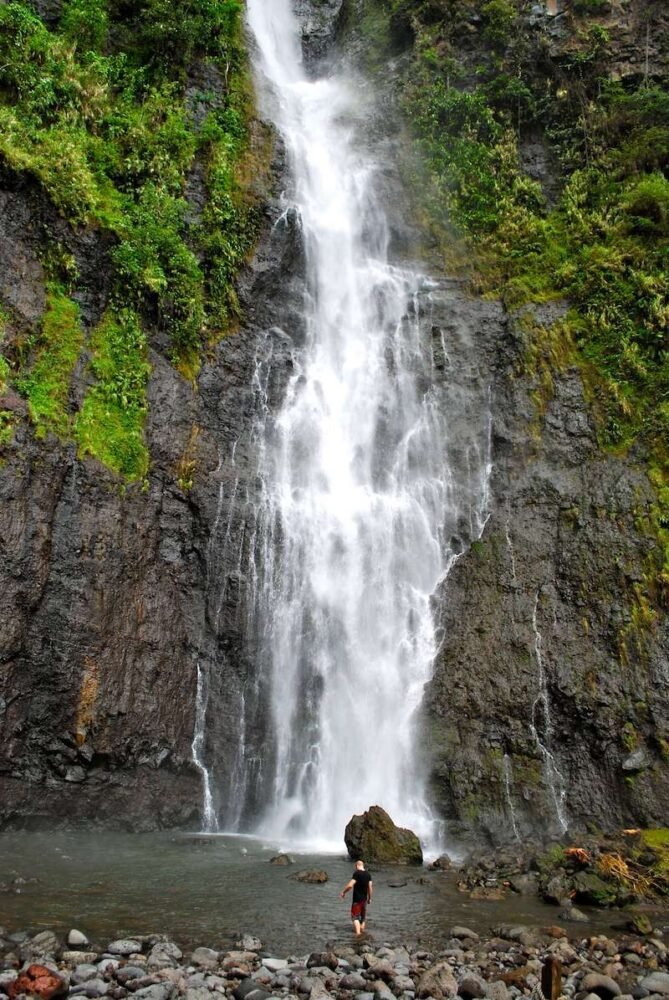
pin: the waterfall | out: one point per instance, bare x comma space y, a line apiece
363, 482
541, 718
506, 771
209, 820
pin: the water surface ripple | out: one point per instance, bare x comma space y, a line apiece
205, 890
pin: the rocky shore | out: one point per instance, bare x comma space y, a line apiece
513, 962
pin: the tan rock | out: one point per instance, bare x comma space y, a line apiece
438, 981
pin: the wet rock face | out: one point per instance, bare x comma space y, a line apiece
373, 836
111, 597
319, 20
550, 674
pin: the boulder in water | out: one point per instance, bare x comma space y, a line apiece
314, 876
374, 837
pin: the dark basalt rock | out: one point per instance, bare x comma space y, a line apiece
549, 588
312, 876
373, 837
110, 598
318, 20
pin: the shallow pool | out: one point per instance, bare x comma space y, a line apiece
208, 889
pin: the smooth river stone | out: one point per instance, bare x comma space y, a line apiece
603, 986
95, 988
275, 964
158, 991
199, 993
108, 966
248, 942
124, 946
463, 932
76, 939
83, 972
128, 972
79, 957
438, 981
657, 982
352, 981
206, 958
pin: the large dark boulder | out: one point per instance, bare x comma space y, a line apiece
374, 837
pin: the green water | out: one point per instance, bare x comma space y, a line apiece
206, 890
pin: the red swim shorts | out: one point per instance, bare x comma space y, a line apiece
359, 911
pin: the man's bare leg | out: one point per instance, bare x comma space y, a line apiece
356, 927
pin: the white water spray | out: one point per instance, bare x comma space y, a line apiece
360, 497
209, 820
541, 714
506, 770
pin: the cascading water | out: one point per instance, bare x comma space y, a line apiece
541, 718
361, 493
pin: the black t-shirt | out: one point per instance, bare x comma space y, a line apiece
362, 880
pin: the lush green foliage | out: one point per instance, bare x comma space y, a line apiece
601, 242
98, 112
57, 349
110, 423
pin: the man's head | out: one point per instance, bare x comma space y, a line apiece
359, 865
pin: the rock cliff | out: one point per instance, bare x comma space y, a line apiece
548, 704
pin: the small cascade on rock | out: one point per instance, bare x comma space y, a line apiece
209, 820
512, 559
374, 476
541, 720
506, 771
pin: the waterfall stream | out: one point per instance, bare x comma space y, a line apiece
365, 483
541, 727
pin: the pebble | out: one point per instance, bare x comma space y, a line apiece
128, 972
353, 981
275, 964
604, 986
464, 932
79, 957
158, 991
95, 988
657, 982
206, 958
76, 939
248, 942
124, 946
82, 973
108, 966
504, 967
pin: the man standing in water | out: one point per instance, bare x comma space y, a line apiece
361, 883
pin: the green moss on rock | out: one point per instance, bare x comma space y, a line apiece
373, 837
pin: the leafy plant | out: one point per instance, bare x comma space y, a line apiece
110, 424
57, 349
98, 113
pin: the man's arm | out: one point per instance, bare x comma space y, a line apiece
370, 890
349, 885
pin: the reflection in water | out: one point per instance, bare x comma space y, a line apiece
207, 890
